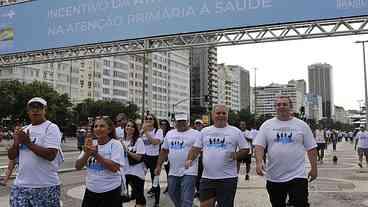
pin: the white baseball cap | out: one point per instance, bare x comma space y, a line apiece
37, 100
181, 117
198, 120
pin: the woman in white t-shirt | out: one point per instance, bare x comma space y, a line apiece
103, 160
152, 138
135, 171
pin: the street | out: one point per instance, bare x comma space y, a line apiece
342, 185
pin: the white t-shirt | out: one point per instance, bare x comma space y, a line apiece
151, 149
286, 142
119, 133
99, 179
320, 137
362, 137
179, 145
35, 171
217, 145
253, 134
139, 169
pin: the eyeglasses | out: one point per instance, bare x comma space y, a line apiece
129, 125
148, 118
282, 104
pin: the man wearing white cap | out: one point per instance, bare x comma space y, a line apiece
38, 148
176, 146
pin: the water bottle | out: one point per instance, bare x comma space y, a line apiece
156, 181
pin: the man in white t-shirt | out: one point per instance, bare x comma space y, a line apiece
248, 159
121, 121
287, 139
362, 143
222, 145
38, 148
176, 146
321, 143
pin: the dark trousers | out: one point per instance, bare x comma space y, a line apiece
110, 198
151, 162
296, 189
200, 172
137, 188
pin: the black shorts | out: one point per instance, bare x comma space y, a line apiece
247, 159
321, 146
223, 190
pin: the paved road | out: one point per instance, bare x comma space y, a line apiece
340, 185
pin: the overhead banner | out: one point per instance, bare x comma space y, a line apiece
46, 24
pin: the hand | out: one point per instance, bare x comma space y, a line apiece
260, 168
312, 175
145, 128
233, 156
23, 138
188, 164
90, 150
158, 171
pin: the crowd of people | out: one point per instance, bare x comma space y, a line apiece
199, 161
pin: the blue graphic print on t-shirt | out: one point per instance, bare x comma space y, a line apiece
284, 138
176, 145
216, 142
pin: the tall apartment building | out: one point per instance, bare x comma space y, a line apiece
320, 83
241, 77
117, 78
204, 77
266, 96
313, 107
232, 89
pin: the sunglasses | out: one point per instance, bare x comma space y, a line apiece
129, 125
148, 118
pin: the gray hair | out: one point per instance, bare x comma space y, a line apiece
215, 106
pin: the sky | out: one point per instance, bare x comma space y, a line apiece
279, 62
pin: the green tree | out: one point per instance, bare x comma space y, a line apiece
90, 108
15, 96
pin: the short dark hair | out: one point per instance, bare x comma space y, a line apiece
287, 97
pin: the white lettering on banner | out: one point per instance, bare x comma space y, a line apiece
95, 7
351, 4
204, 10
159, 15
86, 26
241, 5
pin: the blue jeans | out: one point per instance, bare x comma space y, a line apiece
181, 190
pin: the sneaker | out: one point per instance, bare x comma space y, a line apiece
151, 191
196, 195
246, 177
360, 165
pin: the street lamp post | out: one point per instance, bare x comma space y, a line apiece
365, 81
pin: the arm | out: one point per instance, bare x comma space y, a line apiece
13, 151
135, 156
8, 172
81, 162
109, 164
46, 153
312, 156
192, 155
151, 139
161, 159
259, 159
